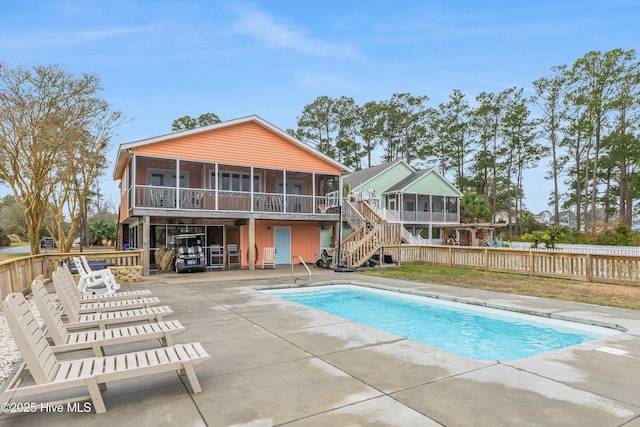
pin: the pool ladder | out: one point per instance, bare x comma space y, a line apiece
305, 266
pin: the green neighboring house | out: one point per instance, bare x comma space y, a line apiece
422, 201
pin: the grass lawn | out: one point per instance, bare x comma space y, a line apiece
5, 257
567, 290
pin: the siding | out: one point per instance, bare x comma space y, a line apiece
124, 209
305, 240
245, 144
385, 180
431, 183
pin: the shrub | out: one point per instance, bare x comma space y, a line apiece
4, 239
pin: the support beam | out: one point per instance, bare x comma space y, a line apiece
252, 244
146, 242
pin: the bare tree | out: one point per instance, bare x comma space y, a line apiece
53, 129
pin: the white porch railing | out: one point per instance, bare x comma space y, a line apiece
421, 217
221, 200
413, 240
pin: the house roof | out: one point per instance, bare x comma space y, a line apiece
358, 178
125, 151
401, 186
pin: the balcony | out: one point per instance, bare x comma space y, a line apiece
419, 217
171, 187
173, 199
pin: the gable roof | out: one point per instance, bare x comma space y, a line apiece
358, 178
125, 151
412, 179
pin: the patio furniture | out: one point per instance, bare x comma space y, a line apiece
96, 265
269, 257
233, 253
191, 199
51, 375
98, 338
66, 292
216, 257
101, 320
98, 282
64, 273
277, 203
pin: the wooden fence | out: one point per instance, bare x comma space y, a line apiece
598, 268
16, 275
584, 248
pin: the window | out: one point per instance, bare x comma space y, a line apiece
293, 187
166, 178
438, 203
236, 181
452, 204
157, 179
392, 203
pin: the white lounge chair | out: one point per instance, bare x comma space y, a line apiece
51, 375
96, 283
101, 320
96, 339
106, 271
269, 257
64, 273
67, 292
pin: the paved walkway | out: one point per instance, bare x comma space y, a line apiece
274, 362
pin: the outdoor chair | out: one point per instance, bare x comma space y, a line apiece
64, 273
88, 269
216, 256
233, 253
95, 282
269, 257
96, 339
101, 320
51, 375
65, 291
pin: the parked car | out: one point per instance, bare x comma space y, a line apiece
190, 253
47, 242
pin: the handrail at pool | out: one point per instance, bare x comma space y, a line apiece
303, 263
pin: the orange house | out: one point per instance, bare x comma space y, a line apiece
241, 182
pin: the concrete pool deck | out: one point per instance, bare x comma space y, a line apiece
274, 362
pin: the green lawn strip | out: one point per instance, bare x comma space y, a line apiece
566, 290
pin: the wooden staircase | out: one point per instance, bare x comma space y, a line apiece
371, 232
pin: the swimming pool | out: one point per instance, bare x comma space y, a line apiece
468, 330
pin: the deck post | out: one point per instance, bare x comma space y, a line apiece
146, 241
531, 267
252, 243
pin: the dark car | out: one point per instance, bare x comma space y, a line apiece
47, 242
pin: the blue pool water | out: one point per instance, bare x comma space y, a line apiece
468, 330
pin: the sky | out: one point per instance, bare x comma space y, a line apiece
160, 60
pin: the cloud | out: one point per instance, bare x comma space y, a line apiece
45, 39
274, 32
